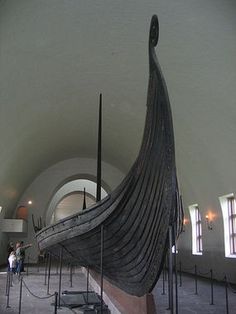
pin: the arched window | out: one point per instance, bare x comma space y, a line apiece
196, 229
228, 207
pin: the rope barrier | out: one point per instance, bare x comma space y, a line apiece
34, 295
230, 287
224, 280
205, 273
188, 269
218, 275
220, 280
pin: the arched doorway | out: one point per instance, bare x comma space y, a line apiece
68, 200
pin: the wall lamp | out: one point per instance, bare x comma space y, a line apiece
209, 222
185, 221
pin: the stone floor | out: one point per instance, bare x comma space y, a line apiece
191, 303
36, 301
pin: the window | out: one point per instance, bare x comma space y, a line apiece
232, 224
196, 229
228, 207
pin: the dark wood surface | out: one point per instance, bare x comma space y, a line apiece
137, 214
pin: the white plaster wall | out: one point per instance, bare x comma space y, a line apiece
3, 240
69, 205
213, 256
75, 185
43, 188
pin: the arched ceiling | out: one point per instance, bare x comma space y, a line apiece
57, 56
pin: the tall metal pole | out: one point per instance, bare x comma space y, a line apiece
101, 265
60, 273
99, 152
99, 184
170, 277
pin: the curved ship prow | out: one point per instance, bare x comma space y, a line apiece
136, 216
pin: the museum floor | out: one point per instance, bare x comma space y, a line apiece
34, 301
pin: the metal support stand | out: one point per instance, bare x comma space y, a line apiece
87, 289
71, 268
49, 270
180, 274
163, 281
176, 283
226, 296
55, 304
166, 273
212, 294
45, 271
170, 274
101, 266
58, 262
7, 282
20, 299
38, 264
11, 279
8, 288
27, 269
195, 275
60, 273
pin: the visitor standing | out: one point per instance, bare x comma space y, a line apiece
12, 262
20, 255
10, 248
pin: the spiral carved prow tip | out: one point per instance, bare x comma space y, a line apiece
154, 31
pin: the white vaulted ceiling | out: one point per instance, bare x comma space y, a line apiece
57, 56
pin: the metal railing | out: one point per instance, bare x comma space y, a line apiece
196, 274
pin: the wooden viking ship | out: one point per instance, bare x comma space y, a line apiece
136, 217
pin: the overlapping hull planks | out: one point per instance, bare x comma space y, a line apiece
136, 216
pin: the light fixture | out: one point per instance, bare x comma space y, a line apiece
209, 221
0, 209
29, 202
185, 221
